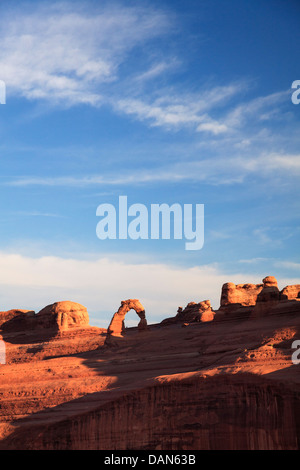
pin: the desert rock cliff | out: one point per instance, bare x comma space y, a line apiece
225, 381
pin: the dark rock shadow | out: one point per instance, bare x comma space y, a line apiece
25, 329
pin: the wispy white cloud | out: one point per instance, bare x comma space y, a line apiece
38, 214
218, 235
254, 260
259, 108
212, 126
262, 236
64, 52
286, 162
221, 171
69, 54
291, 265
174, 110
212, 110
157, 69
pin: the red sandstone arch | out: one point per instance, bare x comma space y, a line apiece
116, 326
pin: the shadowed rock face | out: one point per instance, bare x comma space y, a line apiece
268, 297
17, 320
270, 291
116, 326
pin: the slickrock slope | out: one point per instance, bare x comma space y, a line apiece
228, 383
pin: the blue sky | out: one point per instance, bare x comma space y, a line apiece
165, 102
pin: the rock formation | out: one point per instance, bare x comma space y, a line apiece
216, 385
58, 316
290, 292
63, 315
268, 297
192, 313
270, 291
240, 295
241, 301
117, 327
256, 300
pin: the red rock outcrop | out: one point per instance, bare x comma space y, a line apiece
58, 316
270, 291
256, 300
241, 301
193, 312
237, 300
214, 385
290, 292
240, 294
267, 298
63, 315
